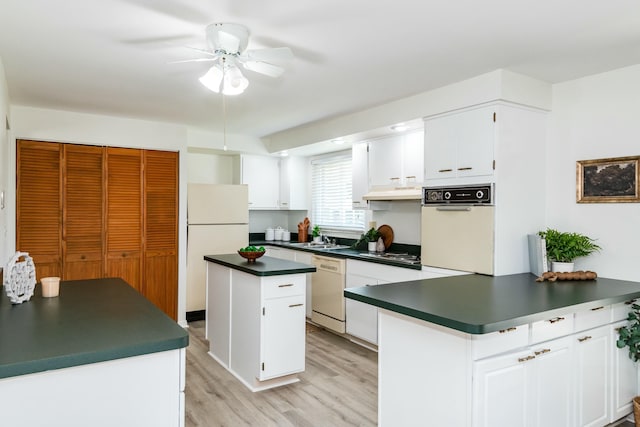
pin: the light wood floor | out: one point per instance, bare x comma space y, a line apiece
338, 388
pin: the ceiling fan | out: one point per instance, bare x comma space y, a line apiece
227, 48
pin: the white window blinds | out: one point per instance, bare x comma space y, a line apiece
331, 201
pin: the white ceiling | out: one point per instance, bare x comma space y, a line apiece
112, 56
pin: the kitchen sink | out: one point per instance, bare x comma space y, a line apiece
314, 245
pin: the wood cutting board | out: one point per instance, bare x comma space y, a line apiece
387, 235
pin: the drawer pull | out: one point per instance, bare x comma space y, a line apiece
286, 285
465, 169
445, 170
526, 359
583, 339
295, 305
503, 331
543, 351
329, 267
597, 308
555, 319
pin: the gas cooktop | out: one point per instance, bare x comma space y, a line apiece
404, 258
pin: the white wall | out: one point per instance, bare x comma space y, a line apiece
595, 117
404, 218
4, 167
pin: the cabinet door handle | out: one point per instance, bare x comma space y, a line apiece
502, 331
543, 351
555, 319
467, 168
583, 339
526, 359
445, 170
286, 285
284, 203
597, 308
295, 305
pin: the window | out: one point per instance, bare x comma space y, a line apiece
331, 201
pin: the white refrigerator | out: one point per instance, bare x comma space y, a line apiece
217, 223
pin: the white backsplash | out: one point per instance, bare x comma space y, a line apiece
404, 218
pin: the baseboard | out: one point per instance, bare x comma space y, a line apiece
193, 316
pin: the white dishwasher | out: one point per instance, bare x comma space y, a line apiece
328, 293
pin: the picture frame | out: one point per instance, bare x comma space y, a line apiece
612, 180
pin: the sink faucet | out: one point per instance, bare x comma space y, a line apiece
325, 239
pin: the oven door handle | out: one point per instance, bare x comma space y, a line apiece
454, 208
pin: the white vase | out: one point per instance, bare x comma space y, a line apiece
371, 246
561, 267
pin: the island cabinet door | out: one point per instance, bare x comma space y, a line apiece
624, 377
592, 353
552, 388
282, 344
501, 393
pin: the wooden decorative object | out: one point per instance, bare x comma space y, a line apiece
20, 278
251, 256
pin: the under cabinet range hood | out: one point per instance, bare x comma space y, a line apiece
396, 193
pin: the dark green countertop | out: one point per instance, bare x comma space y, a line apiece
91, 321
479, 304
263, 266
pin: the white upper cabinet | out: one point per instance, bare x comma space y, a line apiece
293, 183
262, 176
274, 183
359, 173
460, 144
396, 160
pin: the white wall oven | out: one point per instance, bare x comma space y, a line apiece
458, 224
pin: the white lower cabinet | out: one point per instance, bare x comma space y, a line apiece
624, 377
282, 338
592, 352
256, 325
530, 387
362, 319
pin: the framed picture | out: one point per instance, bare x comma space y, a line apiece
613, 180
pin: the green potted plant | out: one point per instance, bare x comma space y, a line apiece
372, 237
629, 336
563, 248
315, 232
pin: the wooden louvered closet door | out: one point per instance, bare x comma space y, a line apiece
87, 212
39, 205
82, 212
160, 284
124, 215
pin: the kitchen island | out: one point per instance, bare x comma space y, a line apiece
490, 351
255, 320
99, 354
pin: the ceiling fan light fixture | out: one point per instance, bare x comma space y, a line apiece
229, 82
212, 79
234, 83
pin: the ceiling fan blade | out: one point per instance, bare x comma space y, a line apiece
194, 60
263, 68
268, 54
203, 51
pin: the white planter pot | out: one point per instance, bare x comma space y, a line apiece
561, 267
317, 239
371, 246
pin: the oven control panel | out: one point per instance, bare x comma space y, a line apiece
469, 195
